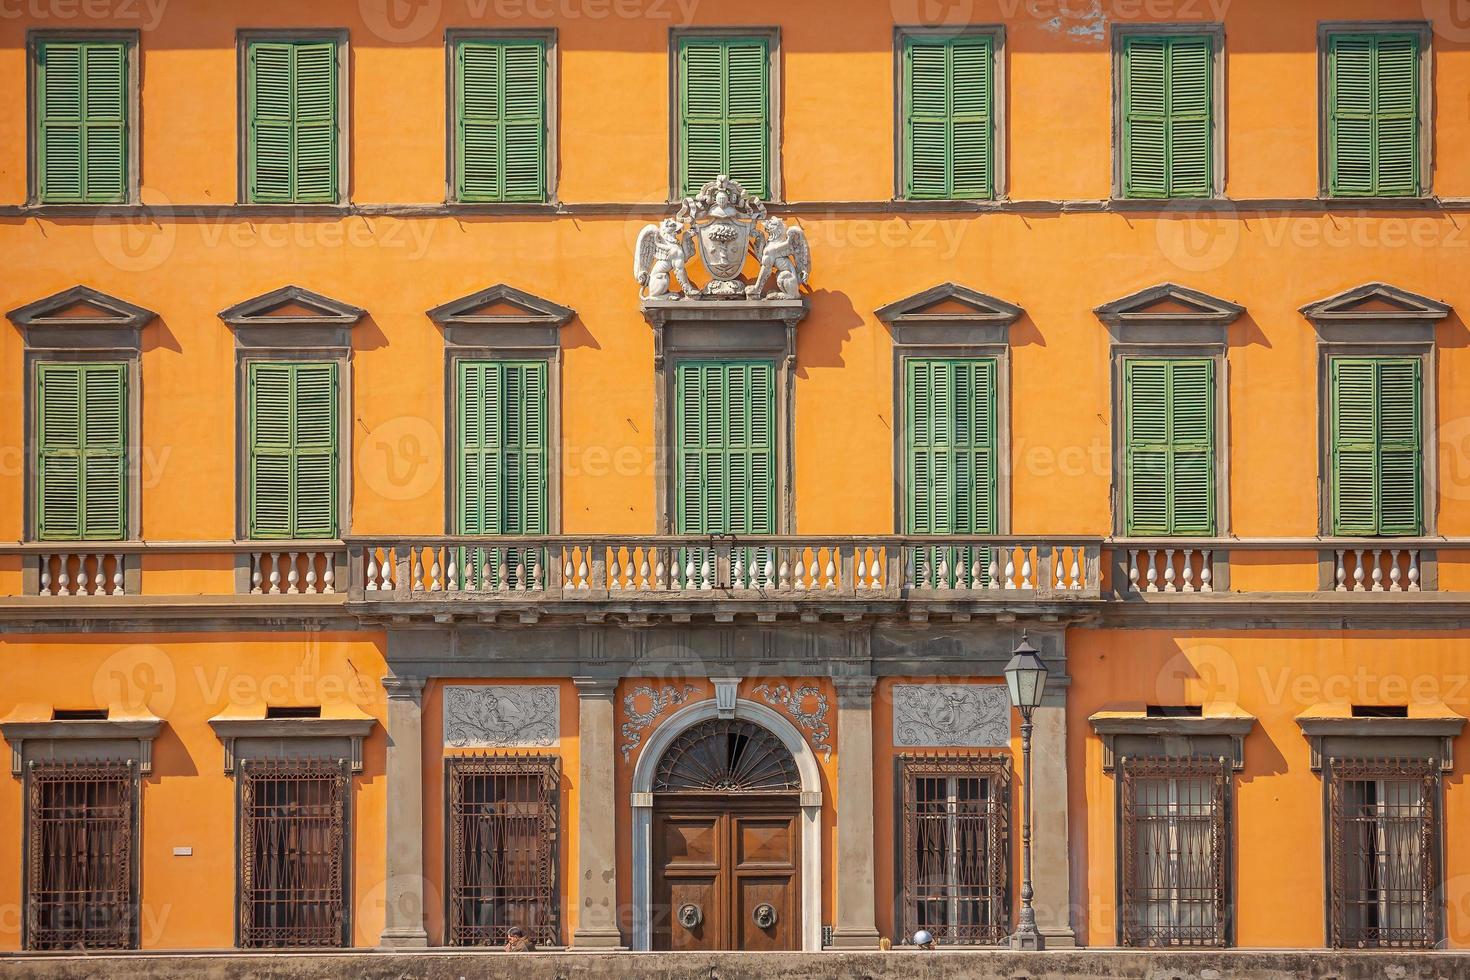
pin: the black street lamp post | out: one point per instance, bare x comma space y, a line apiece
1026, 680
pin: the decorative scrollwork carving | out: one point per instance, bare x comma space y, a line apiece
659, 701
808, 707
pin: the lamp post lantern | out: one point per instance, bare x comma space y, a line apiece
1025, 681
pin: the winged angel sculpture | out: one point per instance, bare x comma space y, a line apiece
724, 225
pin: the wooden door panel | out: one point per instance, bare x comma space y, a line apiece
690, 842
764, 842
752, 892
709, 933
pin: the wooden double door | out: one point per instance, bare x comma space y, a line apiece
726, 872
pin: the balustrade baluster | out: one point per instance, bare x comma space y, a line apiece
1153, 570
63, 579
1377, 570
1188, 585
1395, 577
1341, 573
1076, 570
1206, 571
45, 575
118, 581
1169, 570
99, 578
1010, 572
783, 583
1358, 570
293, 575
1413, 570
311, 571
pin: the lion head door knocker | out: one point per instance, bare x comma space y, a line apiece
764, 915
690, 916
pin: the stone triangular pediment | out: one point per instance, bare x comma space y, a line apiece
1376, 302
292, 305
504, 305
81, 306
950, 303
1169, 303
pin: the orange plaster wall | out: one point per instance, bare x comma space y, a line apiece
188, 800
568, 750
1273, 675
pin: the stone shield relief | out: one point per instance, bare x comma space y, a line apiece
506, 717
951, 716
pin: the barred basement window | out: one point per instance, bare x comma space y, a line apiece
1175, 831
1384, 820
80, 883
293, 852
503, 843
956, 848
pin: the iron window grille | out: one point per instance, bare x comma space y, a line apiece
1175, 831
293, 853
956, 851
503, 844
80, 878
1384, 843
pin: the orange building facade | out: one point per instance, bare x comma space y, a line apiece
408, 535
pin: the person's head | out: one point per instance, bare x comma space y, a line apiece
516, 932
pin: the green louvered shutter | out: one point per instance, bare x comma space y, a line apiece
292, 113
1373, 115
501, 119
725, 455
724, 112
502, 447
82, 116
950, 445
1169, 447
1168, 122
293, 449
1376, 456
81, 453
949, 136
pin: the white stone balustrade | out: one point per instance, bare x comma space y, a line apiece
293, 572
1171, 570
81, 573
1377, 570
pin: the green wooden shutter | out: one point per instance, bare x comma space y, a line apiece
502, 447
1376, 452
1373, 115
949, 136
82, 117
81, 451
725, 456
950, 446
1169, 446
1168, 116
724, 112
293, 449
501, 119
292, 115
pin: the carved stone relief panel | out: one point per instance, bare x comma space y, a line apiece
502, 717
951, 716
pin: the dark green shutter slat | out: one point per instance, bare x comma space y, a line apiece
724, 447
1376, 450
293, 123
724, 112
82, 147
1169, 447
502, 447
293, 450
1168, 95
949, 135
1373, 114
501, 116
82, 451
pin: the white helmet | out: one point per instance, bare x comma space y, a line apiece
923, 938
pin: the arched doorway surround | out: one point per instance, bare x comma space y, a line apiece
645, 770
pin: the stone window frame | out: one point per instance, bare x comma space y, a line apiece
260, 337
533, 335
51, 339
1135, 333
1342, 332
1000, 147
983, 333
686, 330
772, 36
547, 36
1218, 107
134, 129
1425, 30
1157, 736
1427, 736
340, 36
